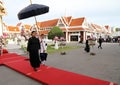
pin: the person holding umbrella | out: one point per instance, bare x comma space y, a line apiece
33, 10
33, 48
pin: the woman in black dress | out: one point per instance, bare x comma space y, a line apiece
33, 50
87, 47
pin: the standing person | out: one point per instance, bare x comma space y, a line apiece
100, 42
43, 50
33, 50
87, 46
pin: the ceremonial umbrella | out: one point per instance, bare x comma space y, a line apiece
33, 10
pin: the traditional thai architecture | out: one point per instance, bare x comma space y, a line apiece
108, 28
24, 27
71, 27
75, 29
13, 30
16, 30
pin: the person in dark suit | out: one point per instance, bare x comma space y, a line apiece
100, 42
87, 46
33, 50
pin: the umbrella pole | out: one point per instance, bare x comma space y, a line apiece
30, 1
37, 29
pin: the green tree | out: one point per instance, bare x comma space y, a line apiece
117, 29
55, 31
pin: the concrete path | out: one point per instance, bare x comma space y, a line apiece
11, 77
104, 65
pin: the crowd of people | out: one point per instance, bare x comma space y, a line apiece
100, 40
91, 42
115, 39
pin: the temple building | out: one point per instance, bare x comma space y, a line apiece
75, 29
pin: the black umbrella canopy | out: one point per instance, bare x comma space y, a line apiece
32, 10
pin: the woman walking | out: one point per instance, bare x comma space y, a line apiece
87, 47
33, 50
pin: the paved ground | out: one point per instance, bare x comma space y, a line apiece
104, 65
11, 77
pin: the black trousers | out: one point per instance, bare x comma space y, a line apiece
43, 56
100, 45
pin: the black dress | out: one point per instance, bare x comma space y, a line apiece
33, 49
100, 43
87, 47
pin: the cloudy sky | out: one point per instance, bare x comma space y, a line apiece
102, 12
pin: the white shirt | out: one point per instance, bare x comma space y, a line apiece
43, 45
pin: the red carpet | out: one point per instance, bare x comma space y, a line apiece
7, 56
10, 57
50, 75
5, 51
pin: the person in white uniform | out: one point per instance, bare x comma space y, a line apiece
43, 49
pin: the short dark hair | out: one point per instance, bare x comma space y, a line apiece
32, 32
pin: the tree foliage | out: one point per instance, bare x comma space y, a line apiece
117, 29
55, 31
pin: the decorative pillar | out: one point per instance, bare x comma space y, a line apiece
66, 36
1, 26
84, 36
79, 37
69, 37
